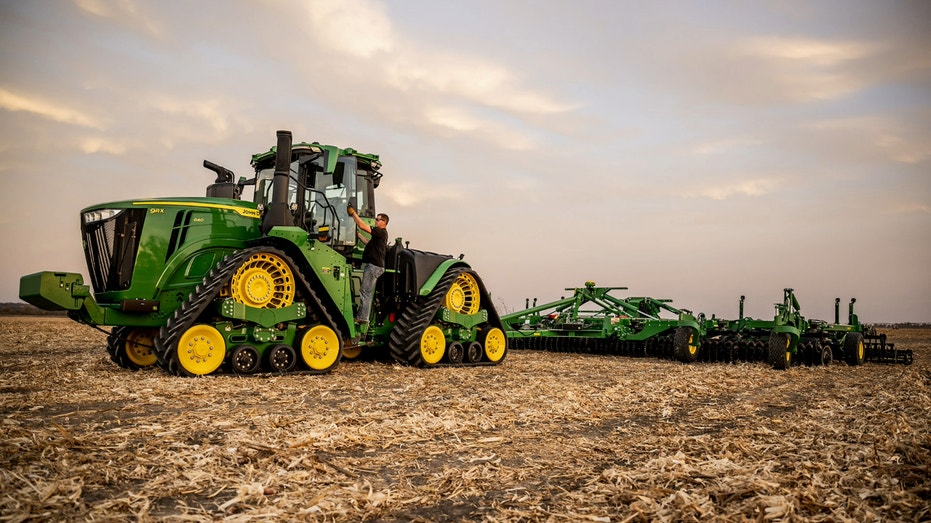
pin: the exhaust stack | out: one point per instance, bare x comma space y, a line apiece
278, 213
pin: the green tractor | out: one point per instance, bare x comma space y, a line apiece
218, 284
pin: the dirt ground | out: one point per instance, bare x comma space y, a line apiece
542, 437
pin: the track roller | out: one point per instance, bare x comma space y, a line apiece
454, 352
244, 360
474, 352
280, 358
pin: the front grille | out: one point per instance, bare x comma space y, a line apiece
110, 248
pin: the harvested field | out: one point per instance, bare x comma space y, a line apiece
542, 437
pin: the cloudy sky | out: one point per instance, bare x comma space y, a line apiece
687, 150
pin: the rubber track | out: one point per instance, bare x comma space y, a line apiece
404, 340
206, 291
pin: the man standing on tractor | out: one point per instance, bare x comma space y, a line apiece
373, 259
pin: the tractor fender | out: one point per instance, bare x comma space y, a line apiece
438, 273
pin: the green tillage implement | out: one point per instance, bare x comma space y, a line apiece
594, 321
791, 339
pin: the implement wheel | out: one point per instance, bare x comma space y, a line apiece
779, 355
201, 350
827, 355
263, 281
854, 349
685, 345
320, 348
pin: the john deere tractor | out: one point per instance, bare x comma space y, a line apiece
218, 284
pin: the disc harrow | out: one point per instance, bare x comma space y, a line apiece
593, 321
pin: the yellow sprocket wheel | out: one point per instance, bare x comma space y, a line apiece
495, 344
432, 345
264, 281
139, 344
201, 349
463, 295
319, 347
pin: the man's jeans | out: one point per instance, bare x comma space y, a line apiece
370, 274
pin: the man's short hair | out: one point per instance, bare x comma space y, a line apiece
383, 216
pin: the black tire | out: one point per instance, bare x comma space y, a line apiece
779, 356
116, 347
684, 345
854, 350
827, 355
132, 348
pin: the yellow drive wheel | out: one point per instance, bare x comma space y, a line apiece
201, 349
463, 295
264, 281
432, 345
139, 344
495, 344
319, 347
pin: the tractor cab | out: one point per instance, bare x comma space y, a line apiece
323, 181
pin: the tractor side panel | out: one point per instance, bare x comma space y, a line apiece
146, 263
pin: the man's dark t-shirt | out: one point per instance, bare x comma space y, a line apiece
376, 248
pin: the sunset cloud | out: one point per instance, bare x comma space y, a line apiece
38, 106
